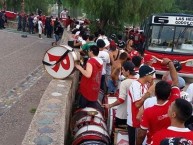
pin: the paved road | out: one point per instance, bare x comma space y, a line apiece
23, 82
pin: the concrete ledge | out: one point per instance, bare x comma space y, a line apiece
50, 123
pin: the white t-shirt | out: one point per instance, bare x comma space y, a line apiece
81, 40
63, 14
136, 92
190, 92
40, 24
35, 20
108, 67
105, 39
106, 60
123, 92
149, 102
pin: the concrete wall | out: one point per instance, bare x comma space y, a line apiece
50, 124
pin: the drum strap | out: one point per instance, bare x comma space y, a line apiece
61, 58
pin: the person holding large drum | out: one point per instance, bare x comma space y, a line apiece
90, 81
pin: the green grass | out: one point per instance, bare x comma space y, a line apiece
33, 110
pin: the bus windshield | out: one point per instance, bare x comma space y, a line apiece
171, 39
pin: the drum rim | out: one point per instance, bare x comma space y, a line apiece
92, 133
94, 142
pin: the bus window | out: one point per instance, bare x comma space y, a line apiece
183, 40
161, 38
171, 39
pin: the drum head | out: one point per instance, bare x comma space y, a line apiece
64, 68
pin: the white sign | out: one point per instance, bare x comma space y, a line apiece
173, 20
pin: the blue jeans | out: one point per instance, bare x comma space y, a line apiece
111, 86
57, 38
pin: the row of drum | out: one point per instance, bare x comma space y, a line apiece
89, 126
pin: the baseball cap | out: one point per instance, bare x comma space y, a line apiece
129, 66
113, 36
148, 58
121, 44
113, 44
145, 70
181, 83
175, 141
100, 43
177, 65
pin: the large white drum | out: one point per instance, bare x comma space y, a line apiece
59, 61
121, 137
91, 133
76, 120
111, 115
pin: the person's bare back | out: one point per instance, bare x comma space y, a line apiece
116, 70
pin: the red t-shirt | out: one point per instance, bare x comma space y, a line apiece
156, 118
90, 87
68, 22
172, 132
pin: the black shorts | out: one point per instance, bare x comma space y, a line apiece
83, 102
119, 122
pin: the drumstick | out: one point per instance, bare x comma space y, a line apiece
158, 59
100, 103
186, 61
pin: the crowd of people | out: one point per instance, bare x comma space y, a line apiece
40, 24
3, 19
155, 113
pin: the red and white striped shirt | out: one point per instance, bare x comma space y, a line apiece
136, 91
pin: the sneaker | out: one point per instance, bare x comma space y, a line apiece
40, 38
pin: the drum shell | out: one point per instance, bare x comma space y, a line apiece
91, 132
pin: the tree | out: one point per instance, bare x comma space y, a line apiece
16, 5
3, 4
154, 6
182, 6
117, 12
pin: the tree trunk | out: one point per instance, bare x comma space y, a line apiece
3, 3
22, 6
